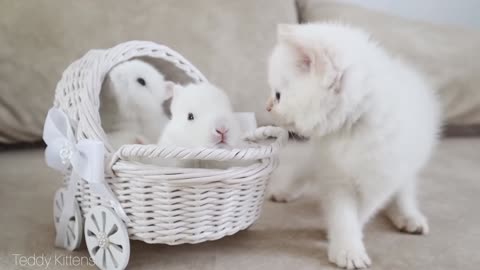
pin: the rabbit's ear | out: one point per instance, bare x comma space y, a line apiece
117, 77
169, 89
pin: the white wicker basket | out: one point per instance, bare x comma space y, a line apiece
165, 205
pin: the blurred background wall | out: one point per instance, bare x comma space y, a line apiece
456, 12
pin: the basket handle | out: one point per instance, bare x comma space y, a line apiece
129, 151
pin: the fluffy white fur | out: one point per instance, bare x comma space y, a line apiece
373, 123
140, 91
202, 116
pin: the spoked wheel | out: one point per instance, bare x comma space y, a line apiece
107, 239
73, 234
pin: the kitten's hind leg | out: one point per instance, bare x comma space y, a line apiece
373, 193
404, 213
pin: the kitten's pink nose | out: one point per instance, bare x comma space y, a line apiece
269, 105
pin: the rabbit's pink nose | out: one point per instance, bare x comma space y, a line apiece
221, 131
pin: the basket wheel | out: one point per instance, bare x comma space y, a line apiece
107, 239
73, 233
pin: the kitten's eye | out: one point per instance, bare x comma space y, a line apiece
277, 96
190, 117
141, 81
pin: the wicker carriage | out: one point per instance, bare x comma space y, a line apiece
128, 199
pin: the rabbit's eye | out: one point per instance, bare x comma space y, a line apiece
277, 95
141, 81
190, 117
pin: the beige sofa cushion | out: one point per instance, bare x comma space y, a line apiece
227, 40
448, 56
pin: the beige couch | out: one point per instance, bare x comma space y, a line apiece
229, 41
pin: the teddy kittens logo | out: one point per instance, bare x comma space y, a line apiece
46, 261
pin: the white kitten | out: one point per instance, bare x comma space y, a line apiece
139, 91
372, 119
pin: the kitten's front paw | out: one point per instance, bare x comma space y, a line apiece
414, 224
283, 196
284, 189
349, 256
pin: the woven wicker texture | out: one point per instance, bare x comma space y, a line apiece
167, 205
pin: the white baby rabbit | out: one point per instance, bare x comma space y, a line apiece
140, 91
202, 116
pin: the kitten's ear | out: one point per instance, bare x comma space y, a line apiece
318, 61
305, 56
332, 76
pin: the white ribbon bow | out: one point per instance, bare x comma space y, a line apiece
86, 159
